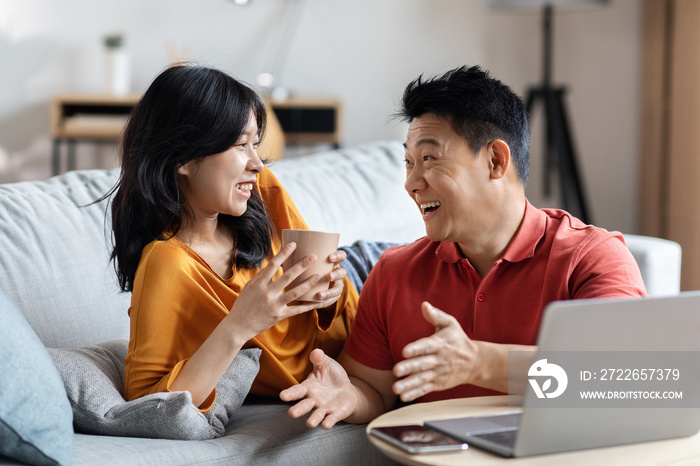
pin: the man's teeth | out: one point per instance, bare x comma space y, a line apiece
245, 186
430, 204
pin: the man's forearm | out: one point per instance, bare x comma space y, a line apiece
504, 367
370, 403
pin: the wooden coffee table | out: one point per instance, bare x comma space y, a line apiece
676, 452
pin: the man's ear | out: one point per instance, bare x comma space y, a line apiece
499, 153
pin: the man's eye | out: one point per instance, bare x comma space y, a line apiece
427, 158
407, 162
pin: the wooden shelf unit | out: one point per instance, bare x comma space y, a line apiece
87, 117
309, 120
90, 116
101, 118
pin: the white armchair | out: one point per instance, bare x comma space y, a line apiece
660, 263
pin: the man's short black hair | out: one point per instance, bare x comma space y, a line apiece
479, 108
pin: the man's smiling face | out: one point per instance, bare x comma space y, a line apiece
448, 182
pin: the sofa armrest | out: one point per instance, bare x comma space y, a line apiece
659, 261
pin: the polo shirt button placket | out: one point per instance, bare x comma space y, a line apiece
480, 297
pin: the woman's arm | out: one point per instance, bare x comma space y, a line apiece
262, 303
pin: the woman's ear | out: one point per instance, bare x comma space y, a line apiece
184, 169
500, 158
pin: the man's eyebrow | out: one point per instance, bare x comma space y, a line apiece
425, 141
428, 141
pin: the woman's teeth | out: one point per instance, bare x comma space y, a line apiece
245, 186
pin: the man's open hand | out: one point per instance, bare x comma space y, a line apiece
327, 392
438, 362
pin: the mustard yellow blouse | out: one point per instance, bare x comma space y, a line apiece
178, 300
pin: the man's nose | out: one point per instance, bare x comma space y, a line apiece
414, 181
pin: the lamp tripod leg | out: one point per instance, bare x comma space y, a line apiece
548, 162
569, 176
559, 153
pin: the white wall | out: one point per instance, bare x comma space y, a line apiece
597, 56
363, 52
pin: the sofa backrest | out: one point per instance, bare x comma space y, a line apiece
54, 259
356, 191
55, 244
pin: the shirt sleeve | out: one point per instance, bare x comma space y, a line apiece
172, 314
280, 206
369, 343
605, 268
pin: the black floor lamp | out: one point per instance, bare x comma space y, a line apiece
559, 149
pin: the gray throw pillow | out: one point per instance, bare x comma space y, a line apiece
94, 380
35, 417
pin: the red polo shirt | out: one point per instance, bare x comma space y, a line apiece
552, 257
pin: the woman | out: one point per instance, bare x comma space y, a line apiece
196, 220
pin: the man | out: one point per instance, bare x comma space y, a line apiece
437, 317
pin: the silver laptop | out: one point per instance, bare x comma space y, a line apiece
632, 376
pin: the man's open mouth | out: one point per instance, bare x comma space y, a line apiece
429, 207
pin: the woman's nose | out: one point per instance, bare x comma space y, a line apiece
255, 165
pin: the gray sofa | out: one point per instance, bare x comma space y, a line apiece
54, 268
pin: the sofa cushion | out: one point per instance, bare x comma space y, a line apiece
35, 417
259, 434
94, 379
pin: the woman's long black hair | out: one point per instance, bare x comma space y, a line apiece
187, 113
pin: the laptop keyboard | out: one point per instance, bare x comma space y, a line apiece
506, 438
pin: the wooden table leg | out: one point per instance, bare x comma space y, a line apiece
56, 162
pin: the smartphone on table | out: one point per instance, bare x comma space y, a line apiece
416, 438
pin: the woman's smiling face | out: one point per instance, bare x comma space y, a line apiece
221, 183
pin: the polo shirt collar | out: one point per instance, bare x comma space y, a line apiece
531, 231
448, 252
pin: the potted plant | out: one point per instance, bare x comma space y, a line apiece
118, 66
